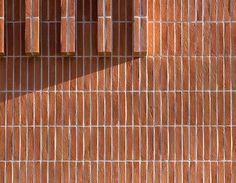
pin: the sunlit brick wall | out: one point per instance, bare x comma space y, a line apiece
168, 116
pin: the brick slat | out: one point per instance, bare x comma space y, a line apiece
140, 28
104, 29
32, 27
1, 27
68, 27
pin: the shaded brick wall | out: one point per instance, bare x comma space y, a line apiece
169, 116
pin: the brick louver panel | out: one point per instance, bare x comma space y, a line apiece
1, 27
140, 27
104, 29
32, 27
68, 27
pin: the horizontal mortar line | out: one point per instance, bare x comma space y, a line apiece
61, 56
192, 56
119, 126
78, 21
191, 21
117, 91
118, 161
125, 21
121, 56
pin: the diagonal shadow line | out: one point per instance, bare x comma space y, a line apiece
21, 75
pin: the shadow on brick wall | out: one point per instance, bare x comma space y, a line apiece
50, 71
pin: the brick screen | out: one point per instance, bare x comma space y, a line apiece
165, 116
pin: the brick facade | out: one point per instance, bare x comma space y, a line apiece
163, 116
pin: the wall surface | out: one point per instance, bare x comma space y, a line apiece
166, 117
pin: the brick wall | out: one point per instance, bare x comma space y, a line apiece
168, 116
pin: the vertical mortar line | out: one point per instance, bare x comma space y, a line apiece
34, 125
13, 95
55, 101
182, 141
112, 90
196, 89
125, 97
98, 121
231, 98
139, 108
76, 88
217, 122
83, 156
69, 128
160, 60
98, 115
90, 97
48, 83
175, 91
188, 62
167, 92
69, 120
154, 87
41, 87
20, 120
210, 88
146, 62
118, 57
63, 122
105, 119
27, 122
224, 83
6, 93
203, 88
132, 88
105, 92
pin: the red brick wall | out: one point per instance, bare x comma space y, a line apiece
169, 116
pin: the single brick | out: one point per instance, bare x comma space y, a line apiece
68, 27
104, 29
140, 28
32, 27
1, 27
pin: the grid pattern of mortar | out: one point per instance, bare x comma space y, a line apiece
166, 117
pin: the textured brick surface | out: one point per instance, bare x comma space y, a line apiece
2, 27
140, 27
169, 116
104, 27
32, 27
68, 26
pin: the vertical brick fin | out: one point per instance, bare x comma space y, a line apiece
104, 29
32, 27
1, 27
140, 27
68, 27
